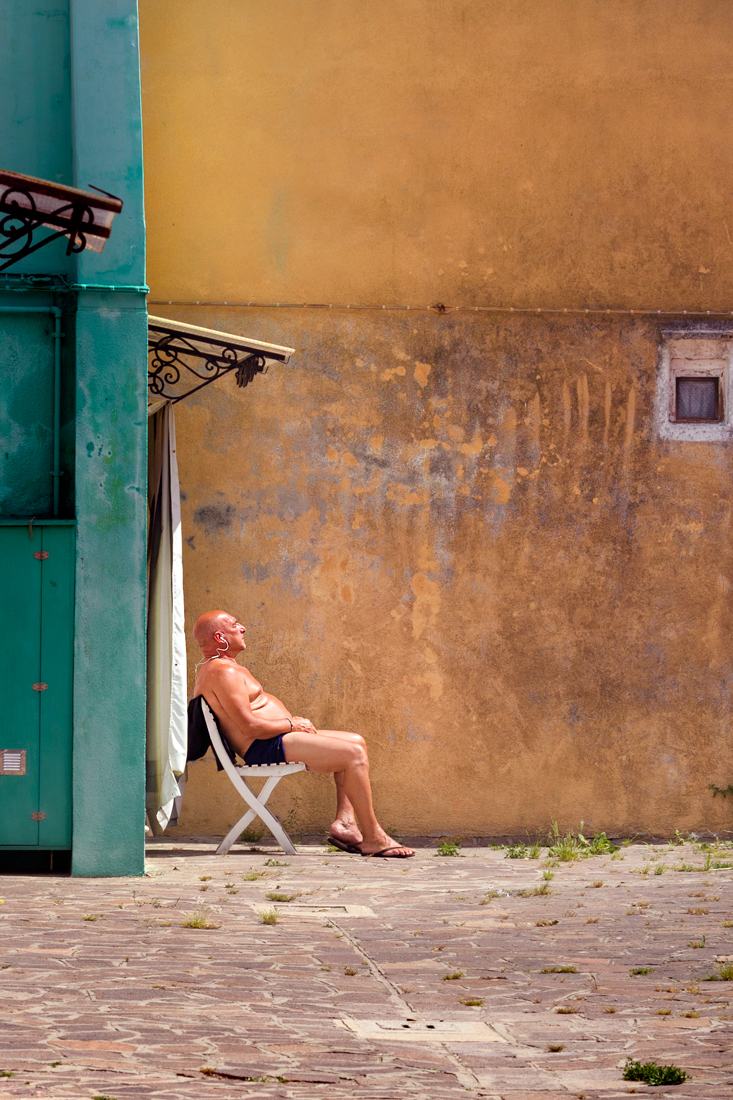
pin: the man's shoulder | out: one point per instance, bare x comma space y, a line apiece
225, 670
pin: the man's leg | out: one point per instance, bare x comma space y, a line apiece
344, 825
345, 754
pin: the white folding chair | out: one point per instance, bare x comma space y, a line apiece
275, 773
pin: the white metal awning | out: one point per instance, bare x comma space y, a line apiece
184, 358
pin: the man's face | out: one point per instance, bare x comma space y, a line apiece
233, 632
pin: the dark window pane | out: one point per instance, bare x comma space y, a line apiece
697, 398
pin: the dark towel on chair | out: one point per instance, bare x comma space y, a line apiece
198, 735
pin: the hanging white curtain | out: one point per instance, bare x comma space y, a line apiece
167, 735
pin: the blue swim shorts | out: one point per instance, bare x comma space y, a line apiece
266, 751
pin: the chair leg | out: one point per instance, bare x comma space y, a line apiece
234, 832
258, 809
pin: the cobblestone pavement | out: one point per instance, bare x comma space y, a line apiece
379, 980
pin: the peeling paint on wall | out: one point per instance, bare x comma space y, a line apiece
532, 618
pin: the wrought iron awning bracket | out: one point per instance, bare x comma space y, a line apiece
176, 356
74, 215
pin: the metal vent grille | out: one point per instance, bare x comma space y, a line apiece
12, 761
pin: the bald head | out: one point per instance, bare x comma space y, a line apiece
208, 624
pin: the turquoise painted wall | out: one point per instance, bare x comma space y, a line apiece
26, 410
111, 453
35, 102
70, 111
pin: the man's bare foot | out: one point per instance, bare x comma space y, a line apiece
399, 851
347, 831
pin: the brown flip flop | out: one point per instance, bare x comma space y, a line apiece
345, 846
384, 854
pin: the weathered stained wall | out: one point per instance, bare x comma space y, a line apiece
408, 151
461, 539
456, 533
110, 337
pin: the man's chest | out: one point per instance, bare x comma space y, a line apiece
254, 687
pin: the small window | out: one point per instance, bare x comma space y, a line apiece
697, 400
693, 400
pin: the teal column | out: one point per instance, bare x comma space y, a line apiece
111, 438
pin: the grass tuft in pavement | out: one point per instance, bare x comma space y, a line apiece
449, 848
725, 973
652, 1074
198, 919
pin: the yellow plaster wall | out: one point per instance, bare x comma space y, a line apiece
456, 533
526, 152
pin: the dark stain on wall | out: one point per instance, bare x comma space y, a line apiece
214, 518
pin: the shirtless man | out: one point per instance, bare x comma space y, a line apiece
262, 730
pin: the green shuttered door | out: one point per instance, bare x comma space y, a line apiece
36, 635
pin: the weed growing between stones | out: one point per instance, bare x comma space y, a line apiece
198, 919
281, 897
535, 891
555, 1048
449, 848
521, 851
516, 851
491, 894
453, 977
725, 973
473, 1002
559, 970
641, 970
574, 846
275, 863
269, 916
652, 1074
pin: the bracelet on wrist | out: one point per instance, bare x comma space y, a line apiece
291, 724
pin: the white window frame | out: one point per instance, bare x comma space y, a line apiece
694, 353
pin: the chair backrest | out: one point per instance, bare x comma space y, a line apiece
216, 742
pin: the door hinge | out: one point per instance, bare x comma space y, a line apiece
38, 816
41, 555
40, 686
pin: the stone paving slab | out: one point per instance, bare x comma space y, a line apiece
105, 993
